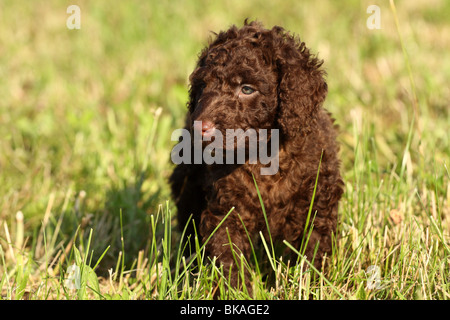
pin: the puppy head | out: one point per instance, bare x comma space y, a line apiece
252, 77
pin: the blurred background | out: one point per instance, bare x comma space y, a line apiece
86, 115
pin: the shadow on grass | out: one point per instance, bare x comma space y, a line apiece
124, 223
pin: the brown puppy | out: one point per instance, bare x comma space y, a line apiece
255, 78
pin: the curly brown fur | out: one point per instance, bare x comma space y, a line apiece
290, 90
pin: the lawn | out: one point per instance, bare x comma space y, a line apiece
86, 117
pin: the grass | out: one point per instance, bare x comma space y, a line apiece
85, 123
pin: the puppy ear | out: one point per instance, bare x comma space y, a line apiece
301, 89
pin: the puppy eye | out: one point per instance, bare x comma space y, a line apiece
247, 90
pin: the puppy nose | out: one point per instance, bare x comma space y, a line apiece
206, 126
206, 129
